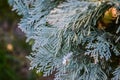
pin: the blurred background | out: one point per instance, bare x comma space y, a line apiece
13, 48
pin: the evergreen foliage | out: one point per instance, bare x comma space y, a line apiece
65, 38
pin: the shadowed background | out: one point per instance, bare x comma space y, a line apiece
13, 49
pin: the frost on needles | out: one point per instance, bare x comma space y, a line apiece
66, 39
